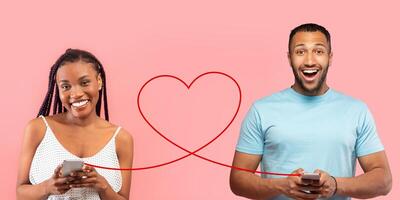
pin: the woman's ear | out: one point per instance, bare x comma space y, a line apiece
99, 81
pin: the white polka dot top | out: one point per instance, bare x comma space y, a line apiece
50, 153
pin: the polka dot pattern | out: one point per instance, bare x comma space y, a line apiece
50, 153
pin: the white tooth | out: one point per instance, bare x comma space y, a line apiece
81, 103
310, 71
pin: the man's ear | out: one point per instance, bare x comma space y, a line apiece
330, 58
99, 81
288, 57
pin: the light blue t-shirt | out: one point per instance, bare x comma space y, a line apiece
292, 131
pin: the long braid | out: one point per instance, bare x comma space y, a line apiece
98, 105
56, 99
46, 105
60, 107
103, 91
103, 76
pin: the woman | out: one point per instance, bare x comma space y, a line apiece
74, 131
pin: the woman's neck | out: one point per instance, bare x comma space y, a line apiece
81, 121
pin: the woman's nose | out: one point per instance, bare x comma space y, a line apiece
76, 92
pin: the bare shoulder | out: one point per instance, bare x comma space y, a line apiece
35, 131
124, 137
124, 143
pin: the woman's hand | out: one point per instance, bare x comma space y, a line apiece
89, 178
57, 184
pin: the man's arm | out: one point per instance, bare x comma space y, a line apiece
250, 185
376, 181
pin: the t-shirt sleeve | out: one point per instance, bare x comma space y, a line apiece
251, 139
367, 137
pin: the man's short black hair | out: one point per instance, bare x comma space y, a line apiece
310, 27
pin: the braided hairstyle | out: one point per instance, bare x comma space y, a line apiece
72, 55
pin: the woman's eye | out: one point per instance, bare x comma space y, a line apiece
85, 83
65, 87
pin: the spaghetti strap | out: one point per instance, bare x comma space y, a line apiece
116, 132
45, 121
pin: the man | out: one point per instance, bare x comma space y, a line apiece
310, 128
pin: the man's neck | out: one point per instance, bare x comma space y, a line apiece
322, 90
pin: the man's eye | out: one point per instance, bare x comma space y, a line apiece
299, 52
320, 52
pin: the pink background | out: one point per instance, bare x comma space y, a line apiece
137, 40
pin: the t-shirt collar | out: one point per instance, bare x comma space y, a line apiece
312, 99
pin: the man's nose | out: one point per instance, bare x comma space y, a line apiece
310, 60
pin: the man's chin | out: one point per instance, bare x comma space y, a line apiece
311, 89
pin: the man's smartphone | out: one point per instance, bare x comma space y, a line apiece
69, 166
309, 179
310, 176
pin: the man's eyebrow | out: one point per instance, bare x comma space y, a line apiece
317, 44
320, 44
297, 45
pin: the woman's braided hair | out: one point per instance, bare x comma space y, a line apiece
72, 55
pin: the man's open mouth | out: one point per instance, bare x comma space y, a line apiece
309, 74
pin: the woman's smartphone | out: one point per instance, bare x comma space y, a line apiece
69, 166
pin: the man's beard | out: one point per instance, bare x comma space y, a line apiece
317, 88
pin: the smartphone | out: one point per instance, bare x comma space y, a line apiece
69, 166
309, 179
310, 176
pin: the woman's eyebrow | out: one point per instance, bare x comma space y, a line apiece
82, 77
67, 81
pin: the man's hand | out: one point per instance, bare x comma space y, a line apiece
294, 188
326, 183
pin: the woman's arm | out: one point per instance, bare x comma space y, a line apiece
124, 145
34, 133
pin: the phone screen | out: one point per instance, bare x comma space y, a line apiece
71, 166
